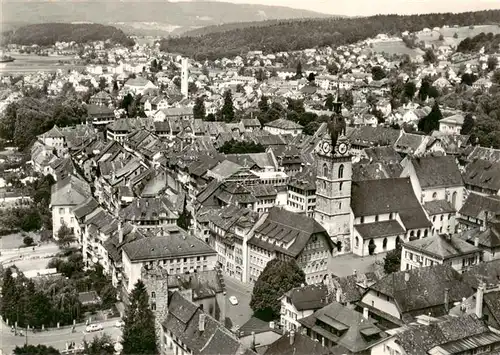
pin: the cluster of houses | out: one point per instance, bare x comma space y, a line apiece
125, 184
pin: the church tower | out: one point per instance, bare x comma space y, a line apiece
333, 183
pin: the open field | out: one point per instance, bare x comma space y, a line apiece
29, 63
396, 47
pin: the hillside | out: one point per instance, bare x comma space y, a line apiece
49, 33
234, 26
137, 16
296, 35
489, 42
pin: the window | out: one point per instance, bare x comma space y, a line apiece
384, 243
434, 195
390, 215
340, 186
153, 306
341, 171
362, 220
325, 170
153, 295
376, 218
61, 210
357, 242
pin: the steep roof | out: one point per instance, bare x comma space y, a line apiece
418, 340
301, 344
54, 132
310, 297
286, 227
483, 173
163, 247
438, 207
442, 246
437, 171
183, 320
374, 197
379, 229
475, 204
488, 272
368, 136
70, 191
282, 123
425, 287
206, 283
351, 324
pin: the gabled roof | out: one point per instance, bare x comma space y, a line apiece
70, 191
286, 227
282, 123
379, 229
437, 171
436, 207
163, 247
487, 272
484, 174
54, 132
374, 136
442, 246
419, 339
350, 324
455, 119
183, 319
423, 287
310, 297
375, 197
301, 344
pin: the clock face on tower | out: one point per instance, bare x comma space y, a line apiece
326, 147
343, 148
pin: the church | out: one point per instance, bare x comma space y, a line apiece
363, 217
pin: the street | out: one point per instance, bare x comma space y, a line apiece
238, 314
57, 338
344, 265
27, 258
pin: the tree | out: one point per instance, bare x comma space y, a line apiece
332, 68
392, 260
311, 77
492, 63
430, 56
227, 111
241, 147
329, 102
28, 241
430, 122
199, 108
9, 296
455, 35
378, 73
277, 278
139, 331
468, 124
423, 92
410, 89
260, 75
441, 37
184, 219
102, 83
468, 79
264, 104
496, 77
298, 72
65, 236
36, 350
100, 345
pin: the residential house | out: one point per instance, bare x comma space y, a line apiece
102, 98
348, 290
301, 302
187, 329
386, 212
482, 84
368, 137
483, 176
152, 212
465, 334
297, 343
178, 251
452, 124
486, 238
342, 330
440, 249
283, 126
398, 298
258, 334
437, 182
55, 139
475, 209
66, 195
138, 86
100, 115
284, 234
301, 192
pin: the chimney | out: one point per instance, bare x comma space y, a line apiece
120, 232
338, 295
354, 272
292, 337
365, 313
271, 325
446, 299
485, 222
479, 300
476, 241
407, 276
201, 323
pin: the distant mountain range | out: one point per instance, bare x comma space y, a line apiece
144, 17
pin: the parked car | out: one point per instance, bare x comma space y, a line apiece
119, 324
93, 328
233, 300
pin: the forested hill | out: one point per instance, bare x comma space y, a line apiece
297, 35
45, 34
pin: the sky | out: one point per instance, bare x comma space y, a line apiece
373, 7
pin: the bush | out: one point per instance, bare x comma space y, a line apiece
28, 241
